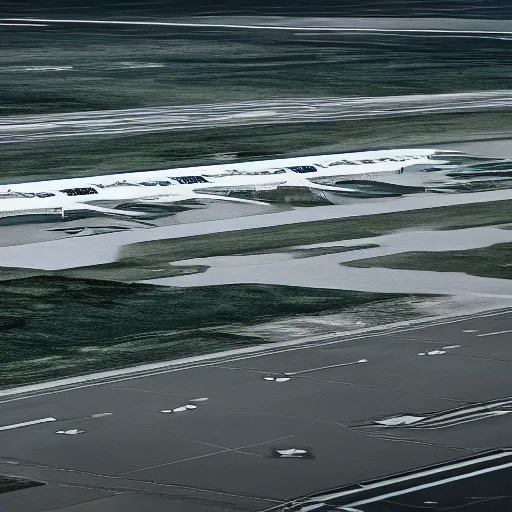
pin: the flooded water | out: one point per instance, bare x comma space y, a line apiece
94, 250
328, 272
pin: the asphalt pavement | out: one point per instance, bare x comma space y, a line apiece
252, 431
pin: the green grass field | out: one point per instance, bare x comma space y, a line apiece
151, 260
94, 155
494, 261
52, 327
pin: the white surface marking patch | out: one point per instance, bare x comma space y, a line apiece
27, 423
400, 420
494, 333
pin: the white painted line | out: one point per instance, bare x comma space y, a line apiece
102, 414
24, 24
267, 27
70, 432
431, 484
462, 421
470, 330
152, 369
199, 399
183, 408
400, 420
292, 452
326, 367
27, 423
449, 347
495, 333
420, 474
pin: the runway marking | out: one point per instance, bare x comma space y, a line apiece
494, 333
470, 330
24, 24
432, 353
227, 450
267, 27
27, 423
326, 367
450, 347
431, 484
102, 414
183, 408
71, 432
420, 474
257, 351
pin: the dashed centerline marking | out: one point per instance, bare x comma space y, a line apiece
494, 333
27, 423
326, 367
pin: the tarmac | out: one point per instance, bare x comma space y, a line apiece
261, 428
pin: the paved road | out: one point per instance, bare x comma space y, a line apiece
222, 455
33, 128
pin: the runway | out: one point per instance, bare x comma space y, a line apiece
33, 128
252, 431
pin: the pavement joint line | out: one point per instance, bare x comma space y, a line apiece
401, 439
482, 357
149, 370
131, 489
379, 388
123, 490
227, 450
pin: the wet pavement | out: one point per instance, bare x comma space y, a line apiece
124, 450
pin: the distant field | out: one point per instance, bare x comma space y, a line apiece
112, 67
89, 156
494, 261
151, 260
53, 327
119, 68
